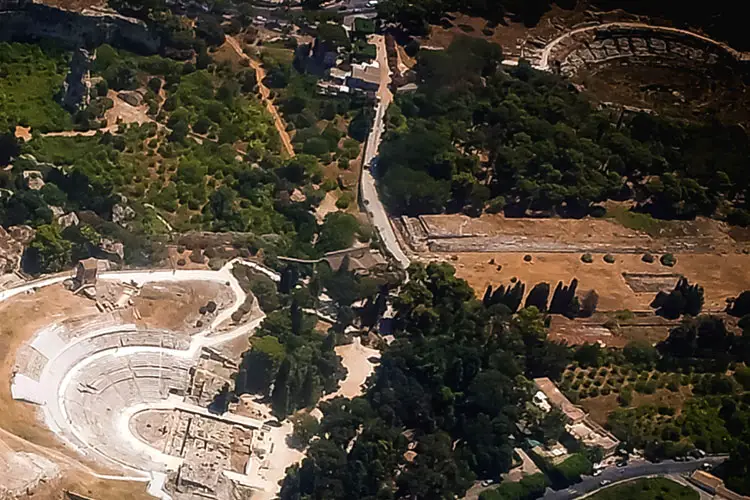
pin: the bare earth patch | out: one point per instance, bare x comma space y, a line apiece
356, 359
175, 306
327, 206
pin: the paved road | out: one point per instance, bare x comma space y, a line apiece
375, 210
640, 469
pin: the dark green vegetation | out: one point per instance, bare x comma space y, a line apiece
299, 361
287, 353
564, 300
684, 299
30, 78
549, 151
457, 377
528, 488
209, 160
657, 488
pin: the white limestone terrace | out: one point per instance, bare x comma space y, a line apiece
92, 384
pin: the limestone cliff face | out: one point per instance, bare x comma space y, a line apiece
75, 93
25, 21
12, 244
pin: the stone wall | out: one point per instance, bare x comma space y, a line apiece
31, 21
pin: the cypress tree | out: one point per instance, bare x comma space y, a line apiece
538, 297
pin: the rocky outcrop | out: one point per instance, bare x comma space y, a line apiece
122, 213
89, 28
75, 92
12, 244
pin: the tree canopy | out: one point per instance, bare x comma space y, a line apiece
454, 382
476, 135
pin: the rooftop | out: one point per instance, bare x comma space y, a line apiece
706, 479
558, 399
591, 436
366, 72
360, 258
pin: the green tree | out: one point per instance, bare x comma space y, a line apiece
48, 252
338, 232
260, 366
305, 427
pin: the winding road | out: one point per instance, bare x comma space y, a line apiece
368, 191
634, 470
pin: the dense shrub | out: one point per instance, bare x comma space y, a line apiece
668, 260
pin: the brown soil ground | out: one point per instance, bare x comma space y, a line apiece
174, 306
322, 326
175, 257
717, 263
124, 112
227, 54
722, 276
617, 333
327, 206
508, 35
601, 406
674, 92
23, 133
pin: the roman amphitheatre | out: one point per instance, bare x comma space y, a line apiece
623, 59
111, 374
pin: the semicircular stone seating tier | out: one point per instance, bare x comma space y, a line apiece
590, 45
91, 375
86, 386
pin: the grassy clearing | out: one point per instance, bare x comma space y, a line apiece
30, 78
648, 489
635, 220
279, 53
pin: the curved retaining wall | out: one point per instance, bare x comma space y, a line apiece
609, 41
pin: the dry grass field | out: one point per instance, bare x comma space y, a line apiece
722, 276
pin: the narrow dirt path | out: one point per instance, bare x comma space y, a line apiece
265, 92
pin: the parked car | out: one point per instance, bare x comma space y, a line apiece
604, 482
